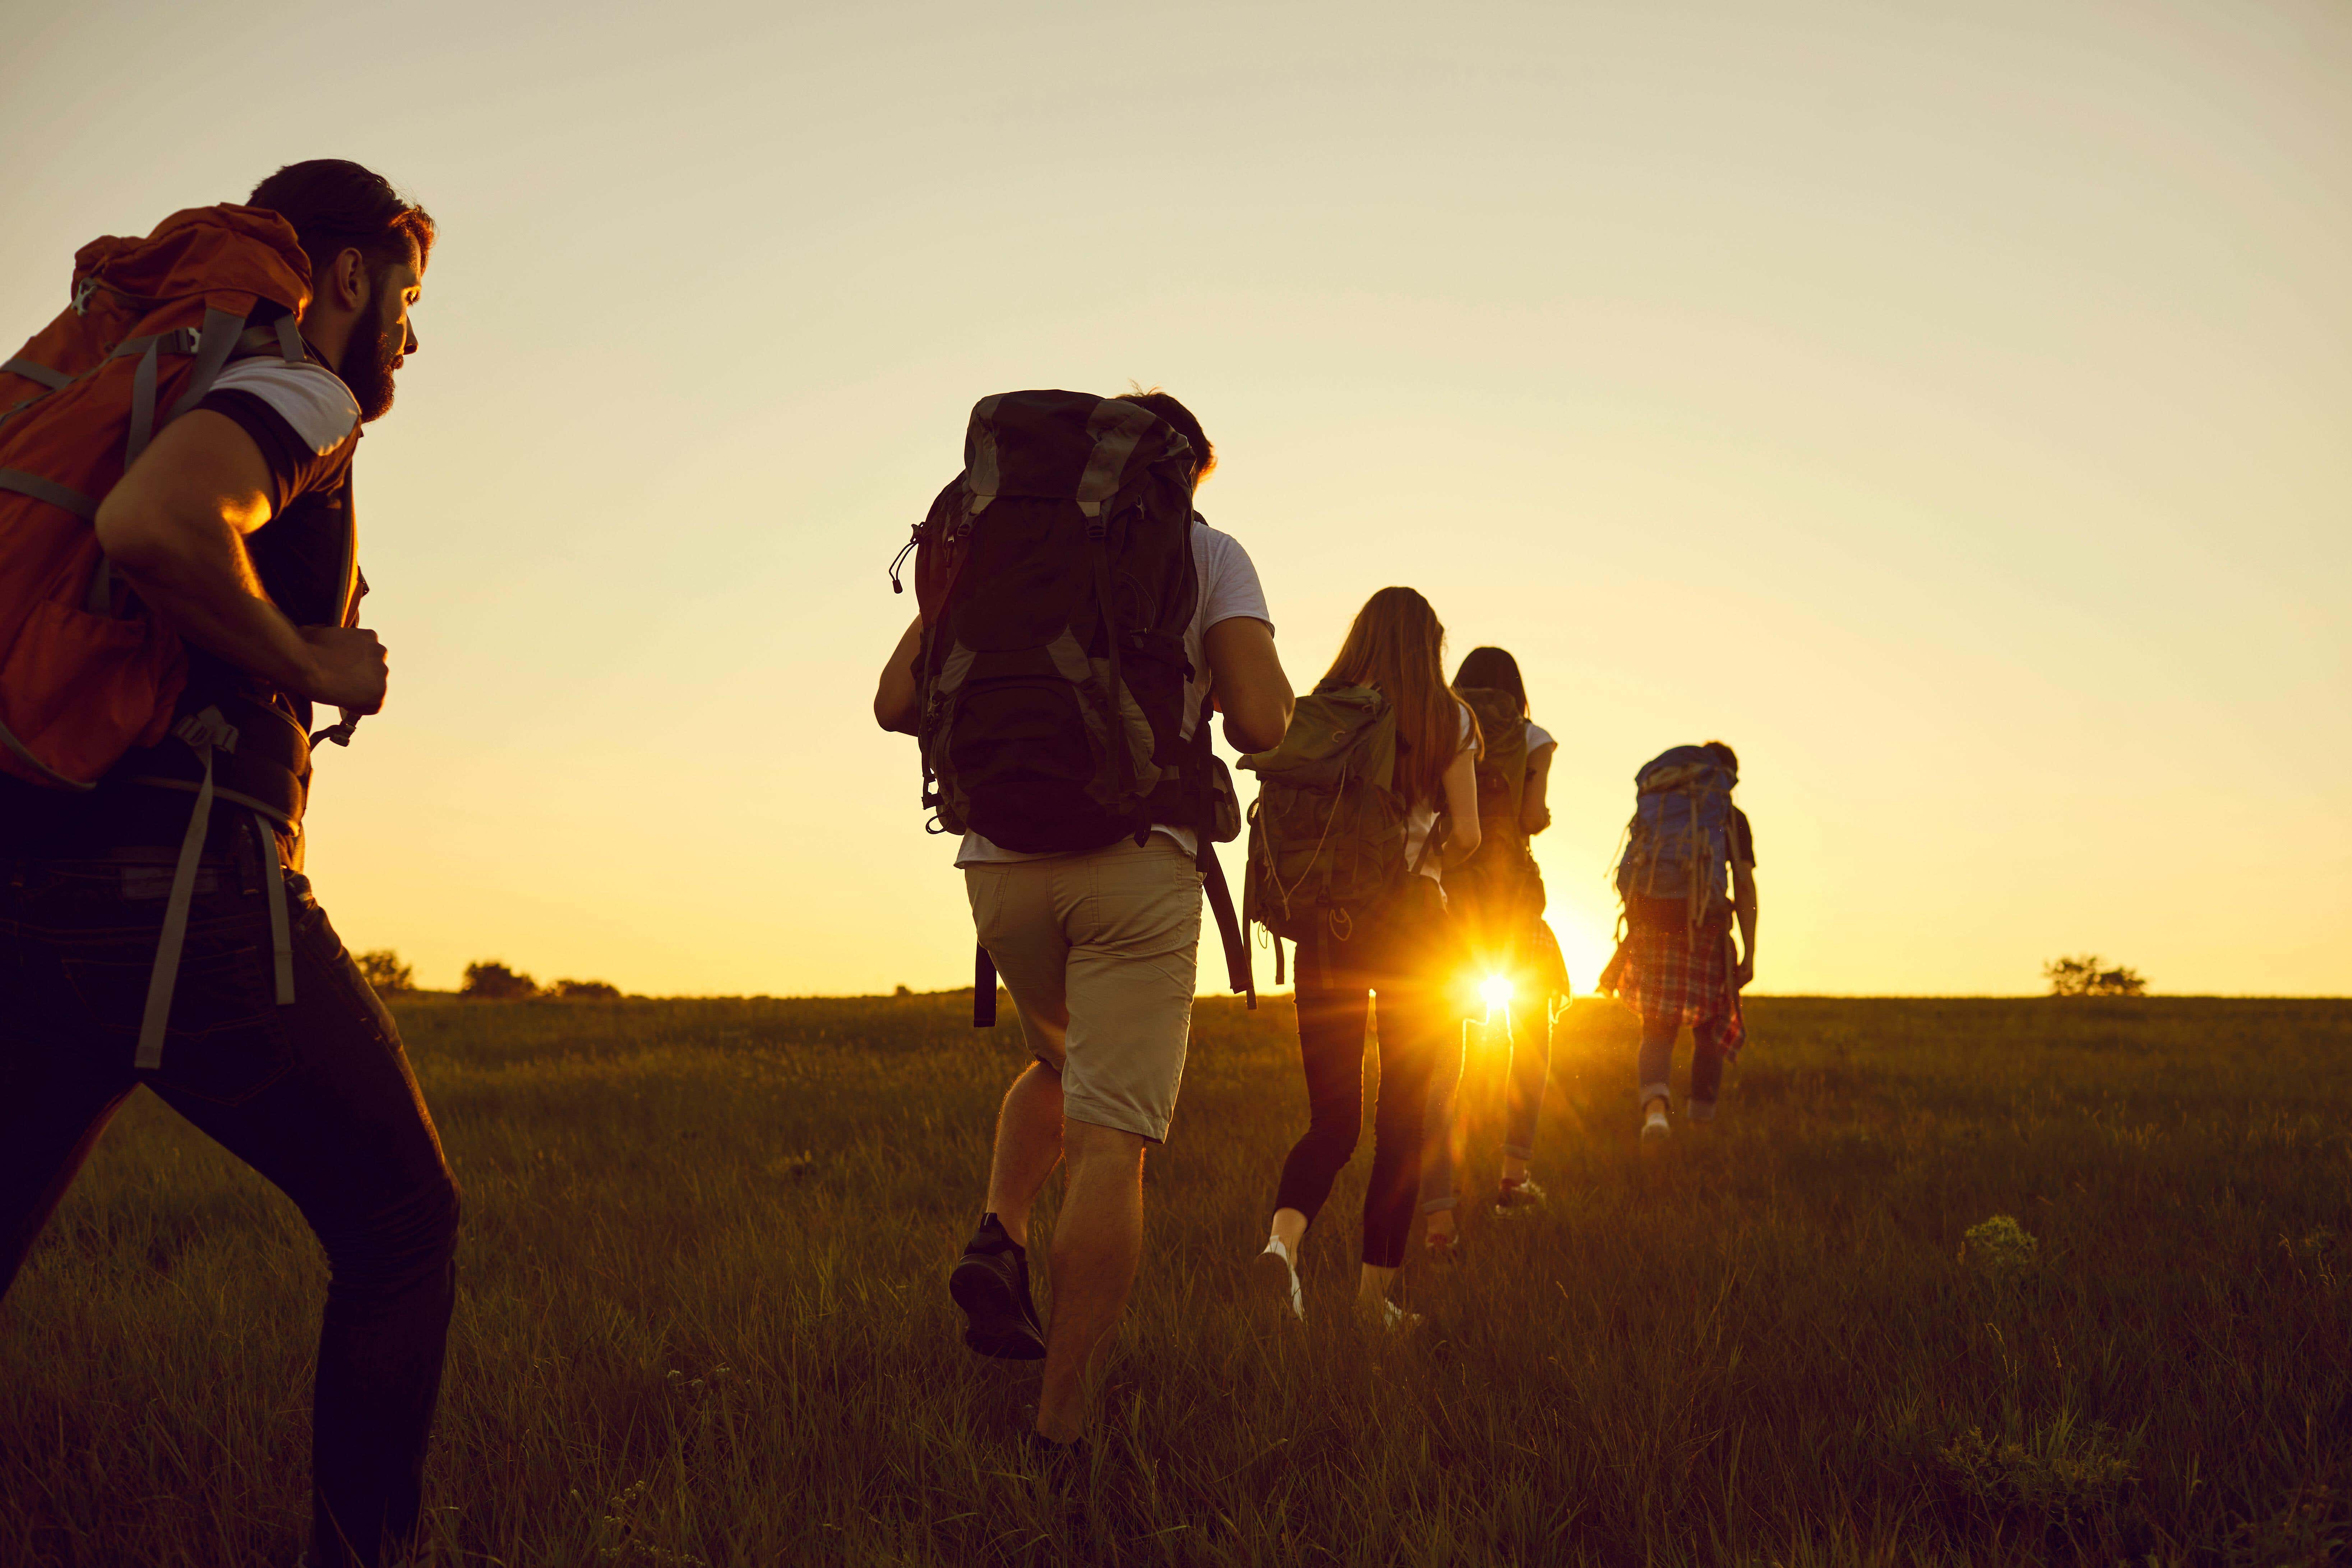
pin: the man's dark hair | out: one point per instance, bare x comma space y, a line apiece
1729, 758
1177, 414
336, 206
1491, 669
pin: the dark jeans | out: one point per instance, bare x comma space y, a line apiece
1530, 1029
1657, 1062
1334, 995
316, 1096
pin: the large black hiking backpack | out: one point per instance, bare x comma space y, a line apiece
1056, 581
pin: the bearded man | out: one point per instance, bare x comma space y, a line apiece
141, 943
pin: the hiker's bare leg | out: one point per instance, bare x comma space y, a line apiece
1290, 1229
1097, 1240
1514, 1168
1372, 1284
1028, 1147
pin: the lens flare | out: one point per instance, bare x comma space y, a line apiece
1495, 991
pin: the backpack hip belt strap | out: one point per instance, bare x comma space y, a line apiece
206, 733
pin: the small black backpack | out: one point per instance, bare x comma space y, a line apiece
1056, 581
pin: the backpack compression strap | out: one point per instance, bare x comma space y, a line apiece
1239, 973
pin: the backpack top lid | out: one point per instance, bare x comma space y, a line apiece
1063, 446
1684, 767
1326, 728
226, 254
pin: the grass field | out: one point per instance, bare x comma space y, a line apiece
701, 1317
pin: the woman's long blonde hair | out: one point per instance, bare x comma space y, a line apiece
1397, 647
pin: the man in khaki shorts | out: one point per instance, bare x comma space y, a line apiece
1099, 950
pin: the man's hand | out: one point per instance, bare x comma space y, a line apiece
1745, 972
347, 667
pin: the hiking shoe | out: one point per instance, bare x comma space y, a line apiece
1394, 1318
991, 1283
1276, 1280
1442, 1246
1518, 1197
1653, 1125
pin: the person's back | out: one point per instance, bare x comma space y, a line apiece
1688, 875
1092, 924
1498, 896
1399, 947
228, 540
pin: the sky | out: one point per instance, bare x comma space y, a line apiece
1949, 407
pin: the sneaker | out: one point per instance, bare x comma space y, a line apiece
1653, 1125
991, 1283
1394, 1318
1518, 1197
1277, 1279
1442, 1246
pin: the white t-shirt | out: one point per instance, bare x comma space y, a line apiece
1538, 738
1229, 590
1423, 820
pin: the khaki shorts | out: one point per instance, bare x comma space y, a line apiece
1111, 941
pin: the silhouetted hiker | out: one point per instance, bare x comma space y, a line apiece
1346, 859
1065, 576
199, 406
1497, 896
1674, 964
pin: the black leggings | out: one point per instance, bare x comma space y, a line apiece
1333, 998
316, 1096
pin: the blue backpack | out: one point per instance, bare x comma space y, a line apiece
1678, 846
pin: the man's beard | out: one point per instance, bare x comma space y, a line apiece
367, 366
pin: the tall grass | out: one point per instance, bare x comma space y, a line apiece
702, 1317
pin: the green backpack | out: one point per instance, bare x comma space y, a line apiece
1502, 765
1327, 828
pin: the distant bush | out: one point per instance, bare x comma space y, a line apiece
2089, 976
2002, 1247
382, 970
492, 982
584, 991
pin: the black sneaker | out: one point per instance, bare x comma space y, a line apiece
991, 1283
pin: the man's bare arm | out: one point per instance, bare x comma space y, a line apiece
176, 526
1743, 905
1248, 683
894, 700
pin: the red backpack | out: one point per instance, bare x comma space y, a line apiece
85, 674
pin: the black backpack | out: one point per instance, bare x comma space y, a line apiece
1056, 581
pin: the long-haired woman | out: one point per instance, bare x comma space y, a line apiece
1497, 896
1396, 646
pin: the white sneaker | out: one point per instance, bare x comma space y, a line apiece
1653, 1125
1280, 1277
1393, 1317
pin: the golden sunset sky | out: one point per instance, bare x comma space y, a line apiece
1949, 406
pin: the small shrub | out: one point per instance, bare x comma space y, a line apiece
2002, 1249
584, 991
490, 981
2087, 975
382, 970
2059, 1472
